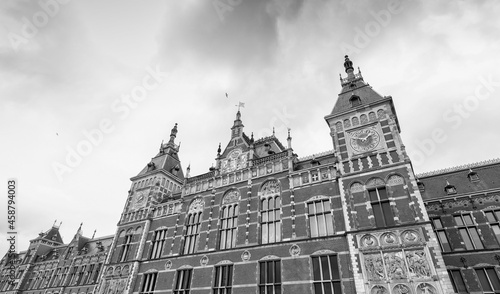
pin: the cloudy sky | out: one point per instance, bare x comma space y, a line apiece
89, 89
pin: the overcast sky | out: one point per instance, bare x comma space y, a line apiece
130, 70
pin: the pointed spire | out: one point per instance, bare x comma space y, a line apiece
218, 150
60, 225
273, 131
348, 65
289, 139
236, 129
173, 134
54, 225
188, 170
251, 139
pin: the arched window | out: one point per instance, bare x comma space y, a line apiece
126, 245
270, 212
192, 227
229, 220
380, 203
159, 238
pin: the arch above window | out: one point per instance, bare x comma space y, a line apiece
374, 182
197, 205
270, 188
231, 196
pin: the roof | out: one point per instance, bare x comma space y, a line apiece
488, 173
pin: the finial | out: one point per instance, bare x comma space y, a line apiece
447, 183
359, 70
189, 166
60, 224
273, 131
289, 134
218, 150
348, 65
173, 134
54, 225
240, 104
93, 234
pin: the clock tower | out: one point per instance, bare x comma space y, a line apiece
392, 245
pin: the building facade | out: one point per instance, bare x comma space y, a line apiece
354, 219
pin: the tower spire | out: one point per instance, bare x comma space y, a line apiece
173, 134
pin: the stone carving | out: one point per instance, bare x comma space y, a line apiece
368, 241
125, 270
389, 239
347, 123
355, 121
410, 236
372, 116
197, 205
364, 118
374, 267
338, 126
204, 260
395, 265
357, 187
401, 289
379, 290
270, 188
426, 288
168, 264
109, 271
117, 271
381, 113
245, 256
375, 182
294, 250
231, 197
417, 264
395, 180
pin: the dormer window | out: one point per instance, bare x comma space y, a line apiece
473, 176
421, 186
450, 189
355, 101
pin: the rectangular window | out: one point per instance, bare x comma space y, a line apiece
320, 218
488, 279
441, 234
494, 221
381, 207
457, 281
90, 269
468, 231
158, 243
148, 284
223, 279
193, 224
125, 248
326, 275
270, 277
183, 281
228, 226
271, 220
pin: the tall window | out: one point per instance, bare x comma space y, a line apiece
223, 279
68, 253
183, 281
80, 275
326, 274
381, 207
88, 274
126, 246
493, 217
63, 277
228, 226
468, 231
193, 223
148, 284
270, 277
458, 281
489, 280
270, 221
320, 218
158, 242
441, 234
56, 278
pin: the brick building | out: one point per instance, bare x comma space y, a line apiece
354, 219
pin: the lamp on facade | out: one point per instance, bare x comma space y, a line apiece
464, 261
497, 258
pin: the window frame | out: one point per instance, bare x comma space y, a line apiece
269, 283
464, 227
489, 279
266, 223
494, 222
323, 215
191, 232
383, 206
454, 283
334, 279
223, 285
228, 224
158, 242
149, 283
180, 281
438, 232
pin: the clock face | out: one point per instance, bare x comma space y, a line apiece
235, 160
364, 140
140, 199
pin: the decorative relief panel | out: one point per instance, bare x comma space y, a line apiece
389, 239
294, 250
378, 289
375, 182
426, 288
374, 267
401, 289
270, 188
395, 180
369, 241
231, 197
357, 187
395, 265
417, 264
410, 237
197, 205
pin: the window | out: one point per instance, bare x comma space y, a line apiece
68, 253
56, 278
270, 220
126, 247
493, 217
88, 274
468, 231
450, 189
158, 242
192, 232
270, 277
183, 281
223, 279
63, 277
80, 275
148, 284
488, 279
441, 234
228, 226
355, 101
326, 274
473, 176
457, 281
381, 207
320, 218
